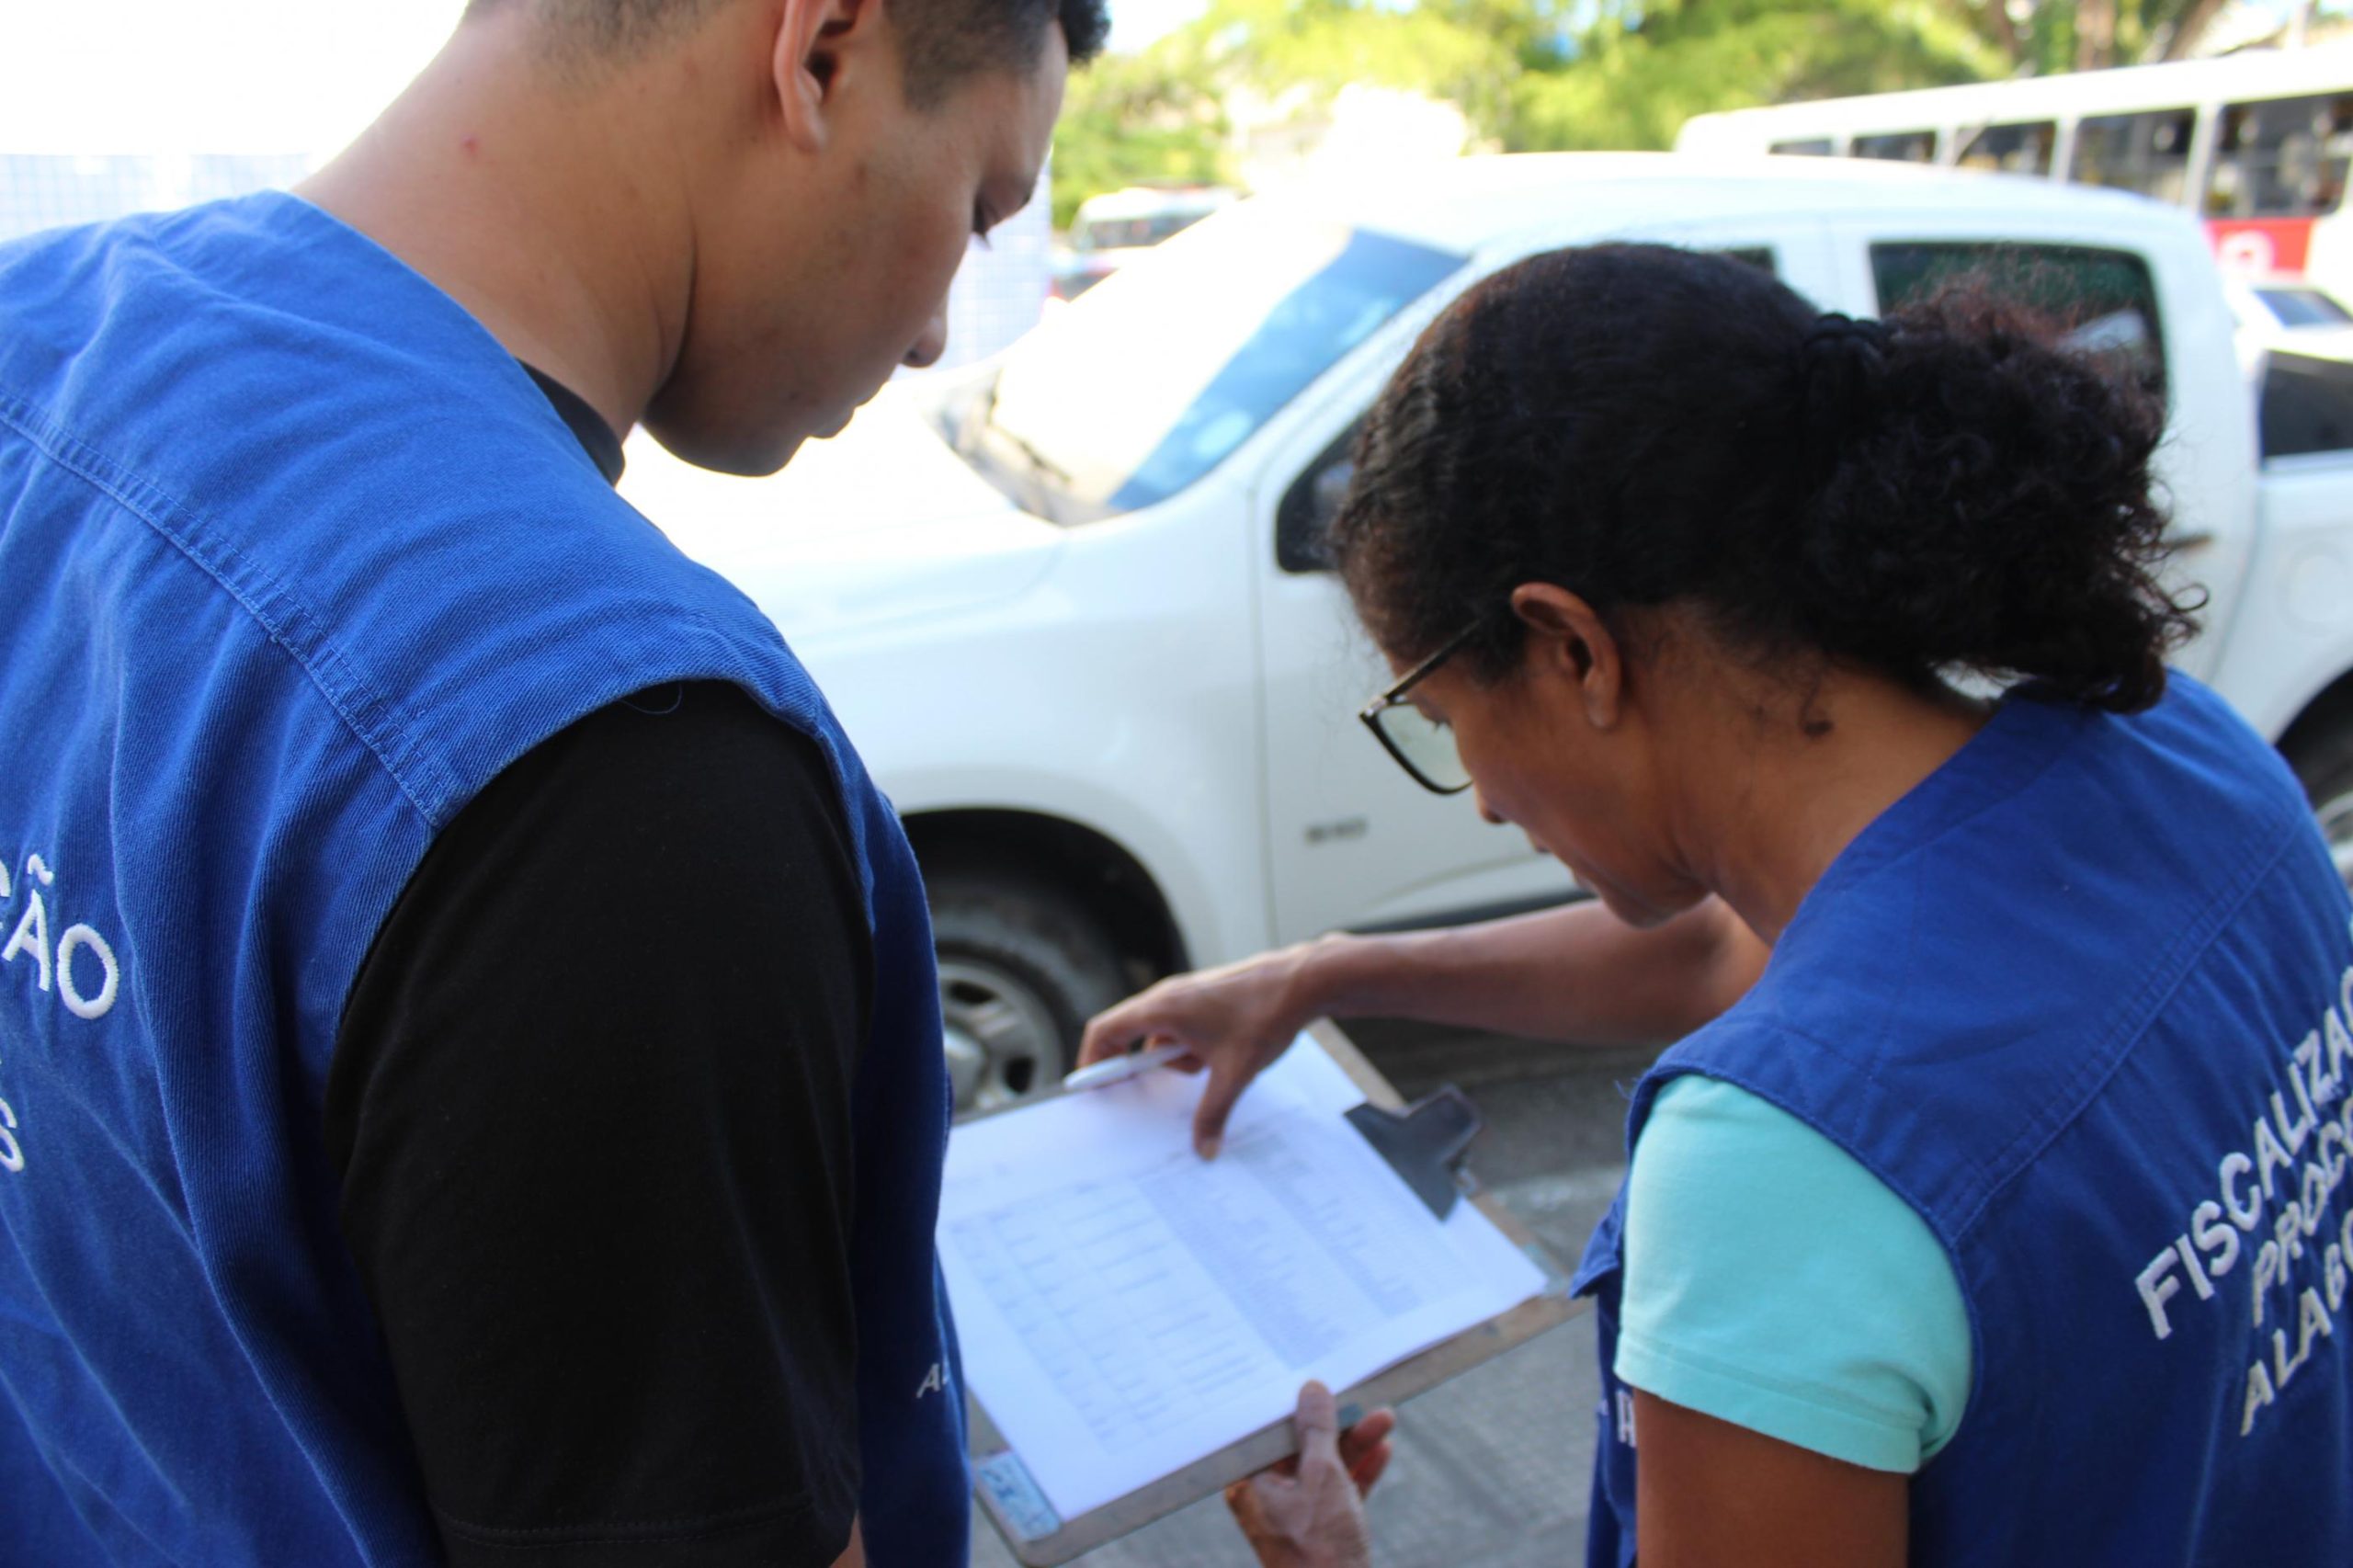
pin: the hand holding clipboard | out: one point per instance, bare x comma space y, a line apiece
1137, 1320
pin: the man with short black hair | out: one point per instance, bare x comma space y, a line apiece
482, 1098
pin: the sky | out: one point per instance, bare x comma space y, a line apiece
252, 76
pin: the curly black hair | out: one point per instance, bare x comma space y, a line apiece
1946, 491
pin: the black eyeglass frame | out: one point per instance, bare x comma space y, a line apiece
1400, 696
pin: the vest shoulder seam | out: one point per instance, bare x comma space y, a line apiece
293, 627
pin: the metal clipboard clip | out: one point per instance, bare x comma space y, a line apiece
1425, 1144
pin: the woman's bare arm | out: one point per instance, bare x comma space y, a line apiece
1710, 1495
1573, 974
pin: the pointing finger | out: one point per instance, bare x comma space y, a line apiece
1217, 1097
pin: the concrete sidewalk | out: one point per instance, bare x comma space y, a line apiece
1491, 1470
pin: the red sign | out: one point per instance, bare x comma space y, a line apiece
2260, 244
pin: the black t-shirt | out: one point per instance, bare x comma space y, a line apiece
590, 1106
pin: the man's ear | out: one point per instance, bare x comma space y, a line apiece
1568, 640
814, 41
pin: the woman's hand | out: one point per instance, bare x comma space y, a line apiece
1308, 1512
1578, 974
1234, 1021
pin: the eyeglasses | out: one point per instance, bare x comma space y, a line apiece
1423, 747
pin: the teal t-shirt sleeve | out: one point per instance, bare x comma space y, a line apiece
1774, 1282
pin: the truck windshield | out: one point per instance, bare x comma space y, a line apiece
1125, 397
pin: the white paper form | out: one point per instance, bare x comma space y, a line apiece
1127, 1309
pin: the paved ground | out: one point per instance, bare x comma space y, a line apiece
1491, 1468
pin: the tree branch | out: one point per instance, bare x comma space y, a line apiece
2189, 26
2006, 31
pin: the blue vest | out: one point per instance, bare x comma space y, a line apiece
298, 560
2084, 999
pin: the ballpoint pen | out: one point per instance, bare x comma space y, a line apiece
1118, 1069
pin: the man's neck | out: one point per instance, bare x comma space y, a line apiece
526, 206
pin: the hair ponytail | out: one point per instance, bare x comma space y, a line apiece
1942, 491
1981, 501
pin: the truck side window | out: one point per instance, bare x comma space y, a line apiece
2105, 302
2307, 407
1310, 502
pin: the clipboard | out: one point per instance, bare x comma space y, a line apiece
1039, 1537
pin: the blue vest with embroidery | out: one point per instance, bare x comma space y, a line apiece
2084, 999
298, 560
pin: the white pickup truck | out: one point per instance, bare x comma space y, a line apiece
1069, 608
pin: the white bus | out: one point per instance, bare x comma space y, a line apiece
2256, 142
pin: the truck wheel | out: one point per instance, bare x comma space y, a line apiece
2324, 760
1022, 966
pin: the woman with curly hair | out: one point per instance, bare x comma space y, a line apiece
1991, 1209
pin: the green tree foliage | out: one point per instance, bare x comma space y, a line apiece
1538, 74
1157, 116
1638, 73
2047, 36
1438, 49
1154, 117
1638, 69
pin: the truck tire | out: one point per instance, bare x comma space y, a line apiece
2324, 761
1022, 966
